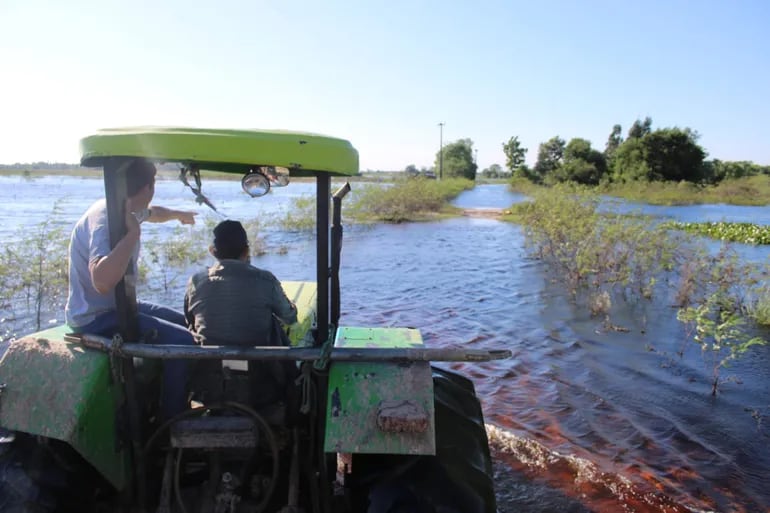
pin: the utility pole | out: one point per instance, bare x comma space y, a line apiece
441, 150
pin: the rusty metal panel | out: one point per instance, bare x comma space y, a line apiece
380, 408
64, 391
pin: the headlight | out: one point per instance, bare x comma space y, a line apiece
255, 184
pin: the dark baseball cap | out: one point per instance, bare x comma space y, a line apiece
229, 237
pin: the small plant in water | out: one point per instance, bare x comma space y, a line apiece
301, 214
170, 257
718, 328
34, 271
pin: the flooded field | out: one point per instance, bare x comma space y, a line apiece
580, 418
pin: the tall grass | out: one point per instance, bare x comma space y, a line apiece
301, 216
413, 199
33, 273
750, 190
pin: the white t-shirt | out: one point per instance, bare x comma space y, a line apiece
90, 240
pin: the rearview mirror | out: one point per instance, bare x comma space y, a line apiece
278, 176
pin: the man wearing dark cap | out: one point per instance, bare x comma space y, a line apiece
233, 302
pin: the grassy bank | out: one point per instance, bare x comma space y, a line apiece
414, 199
751, 190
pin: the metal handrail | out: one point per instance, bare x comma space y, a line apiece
278, 353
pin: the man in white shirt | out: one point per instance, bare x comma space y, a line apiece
95, 269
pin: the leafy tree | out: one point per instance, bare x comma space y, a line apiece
665, 154
582, 164
514, 154
613, 141
629, 163
674, 154
549, 157
493, 171
524, 171
640, 128
717, 170
458, 160
411, 170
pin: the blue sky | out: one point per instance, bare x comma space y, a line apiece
383, 74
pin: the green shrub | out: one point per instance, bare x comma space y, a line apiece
301, 215
33, 272
170, 257
406, 200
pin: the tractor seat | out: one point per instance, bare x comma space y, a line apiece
267, 387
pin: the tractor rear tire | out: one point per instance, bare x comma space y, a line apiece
45, 476
20, 492
459, 478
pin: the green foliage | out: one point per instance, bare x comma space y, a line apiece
758, 307
663, 154
515, 154
170, 257
494, 171
602, 252
549, 157
582, 164
715, 171
746, 233
301, 215
458, 160
613, 141
752, 190
406, 200
33, 272
629, 162
604, 257
640, 128
257, 244
719, 329
674, 154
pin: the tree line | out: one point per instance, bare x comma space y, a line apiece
663, 154
644, 154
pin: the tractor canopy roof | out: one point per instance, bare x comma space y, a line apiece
231, 151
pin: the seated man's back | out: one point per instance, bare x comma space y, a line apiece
233, 302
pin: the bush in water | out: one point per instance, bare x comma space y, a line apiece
301, 215
406, 200
33, 272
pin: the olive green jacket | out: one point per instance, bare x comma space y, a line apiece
234, 303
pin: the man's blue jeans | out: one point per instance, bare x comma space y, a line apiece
170, 325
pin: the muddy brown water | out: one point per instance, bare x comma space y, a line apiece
580, 418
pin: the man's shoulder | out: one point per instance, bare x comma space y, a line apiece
263, 274
245, 270
96, 214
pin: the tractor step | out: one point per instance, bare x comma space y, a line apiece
214, 433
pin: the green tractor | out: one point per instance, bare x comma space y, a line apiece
365, 424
